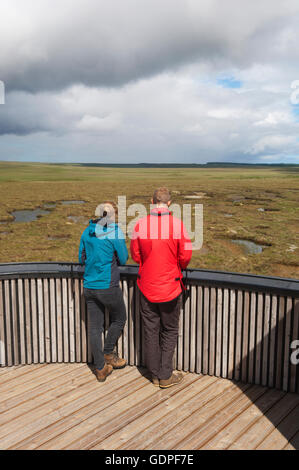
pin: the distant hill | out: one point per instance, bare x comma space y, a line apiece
188, 165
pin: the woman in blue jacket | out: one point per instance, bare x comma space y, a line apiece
102, 249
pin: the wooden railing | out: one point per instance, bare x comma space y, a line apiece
233, 326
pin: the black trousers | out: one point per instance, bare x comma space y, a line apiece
97, 300
161, 325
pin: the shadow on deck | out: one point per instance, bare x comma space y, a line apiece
62, 406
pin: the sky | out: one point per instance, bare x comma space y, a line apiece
159, 81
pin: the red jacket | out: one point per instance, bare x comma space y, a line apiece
161, 246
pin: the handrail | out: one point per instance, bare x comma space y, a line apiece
277, 285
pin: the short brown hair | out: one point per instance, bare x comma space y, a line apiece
161, 195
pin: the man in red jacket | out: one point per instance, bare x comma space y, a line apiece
162, 248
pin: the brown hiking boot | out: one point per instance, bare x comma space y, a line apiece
155, 381
115, 361
102, 374
174, 379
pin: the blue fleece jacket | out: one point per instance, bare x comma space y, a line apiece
102, 249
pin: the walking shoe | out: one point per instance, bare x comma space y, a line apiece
115, 361
155, 381
174, 379
102, 374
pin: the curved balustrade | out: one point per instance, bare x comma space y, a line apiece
232, 325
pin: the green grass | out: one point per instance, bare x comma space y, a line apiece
29, 185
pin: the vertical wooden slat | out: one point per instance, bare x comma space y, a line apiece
280, 340
65, 322
131, 323
294, 373
53, 320
21, 308
174, 361
212, 331
142, 334
15, 327
266, 340
8, 324
71, 314
180, 341
252, 343
237, 365
245, 337
126, 335
186, 334
199, 329
206, 324
77, 320
119, 346
41, 327
2, 328
29, 354
225, 334
232, 319
84, 340
287, 349
193, 329
273, 329
47, 320
59, 321
219, 332
259, 333
34, 322
137, 329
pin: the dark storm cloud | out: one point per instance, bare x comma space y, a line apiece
50, 45
148, 80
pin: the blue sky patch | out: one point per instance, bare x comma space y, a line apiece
229, 82
295, 110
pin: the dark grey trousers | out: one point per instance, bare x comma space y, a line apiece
97, 300
161, 324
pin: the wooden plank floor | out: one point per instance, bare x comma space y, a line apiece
62, 406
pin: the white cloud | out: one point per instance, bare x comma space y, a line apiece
273, 143
99, 124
